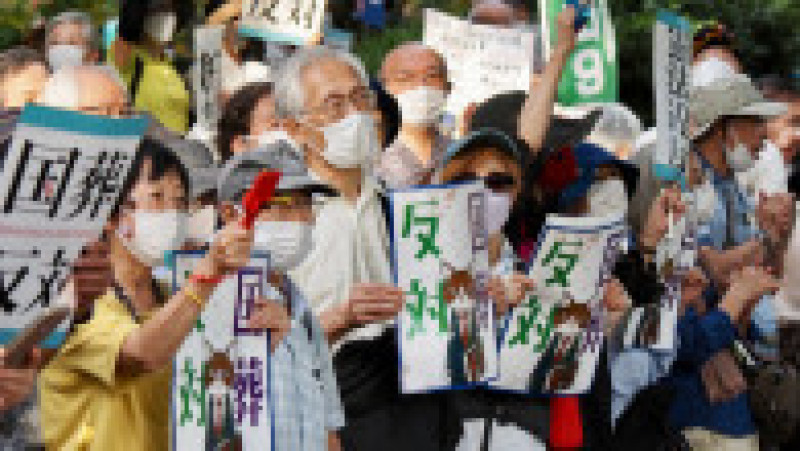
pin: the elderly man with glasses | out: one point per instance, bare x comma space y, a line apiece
325, 98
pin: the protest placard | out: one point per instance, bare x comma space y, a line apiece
590, 75
61, 178
208, 74
296, 22
220, 391
440, 260
482, 60
551, 342
672, 59
653, 326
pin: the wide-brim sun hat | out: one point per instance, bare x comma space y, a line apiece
718, 91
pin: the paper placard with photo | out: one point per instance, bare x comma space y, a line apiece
550, 343
440, 260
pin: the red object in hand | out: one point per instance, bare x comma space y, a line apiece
262, 191
204, 279
566, 430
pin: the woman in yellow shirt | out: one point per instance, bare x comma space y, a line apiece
145, 30
108, 387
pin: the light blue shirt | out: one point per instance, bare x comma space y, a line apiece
305, 398
714, 232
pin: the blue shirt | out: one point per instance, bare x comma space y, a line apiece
699, 338
305, 398
728, 195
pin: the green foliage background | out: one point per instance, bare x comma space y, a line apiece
766, 30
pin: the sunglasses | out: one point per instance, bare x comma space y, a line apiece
495, 181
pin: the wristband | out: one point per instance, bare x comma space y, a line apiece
194, 297
205, 279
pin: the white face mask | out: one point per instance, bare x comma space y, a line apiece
160, 27
287, 242
608, 197
498, 208
155, 233
421, 106
201, 225
351, 142
65, 55
739, 158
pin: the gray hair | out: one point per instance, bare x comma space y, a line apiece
17, 58
74, 17
289, 91
62, 89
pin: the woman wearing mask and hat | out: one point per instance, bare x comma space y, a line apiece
493, 420
146, 30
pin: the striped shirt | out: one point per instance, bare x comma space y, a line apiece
305, 398
399, 167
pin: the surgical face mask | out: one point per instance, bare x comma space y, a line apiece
201, 225
498, 208
287, 242
160, 27
739, 158
351, 142
155, 233
65, 55
421, 106
608, 197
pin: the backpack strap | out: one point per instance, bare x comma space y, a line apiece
138, 71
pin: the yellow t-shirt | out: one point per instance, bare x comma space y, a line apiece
161, 90
85, 405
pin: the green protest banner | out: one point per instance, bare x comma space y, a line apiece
590, 75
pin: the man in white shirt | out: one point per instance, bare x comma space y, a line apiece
323, 94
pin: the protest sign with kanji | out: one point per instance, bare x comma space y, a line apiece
551, 342
440, 260
220, 391
296, 22
653, 326
591, 73
482, 60
672, 59
208, 74
61, 177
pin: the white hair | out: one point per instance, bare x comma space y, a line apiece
289, 90
74, 17
62, 89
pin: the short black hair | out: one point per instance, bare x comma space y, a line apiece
237, 115
162, 162
132, 14
389, 109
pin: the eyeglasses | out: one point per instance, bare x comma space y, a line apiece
335, 106
496, 181
288, 202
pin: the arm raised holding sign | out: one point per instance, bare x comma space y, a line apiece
537, 111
